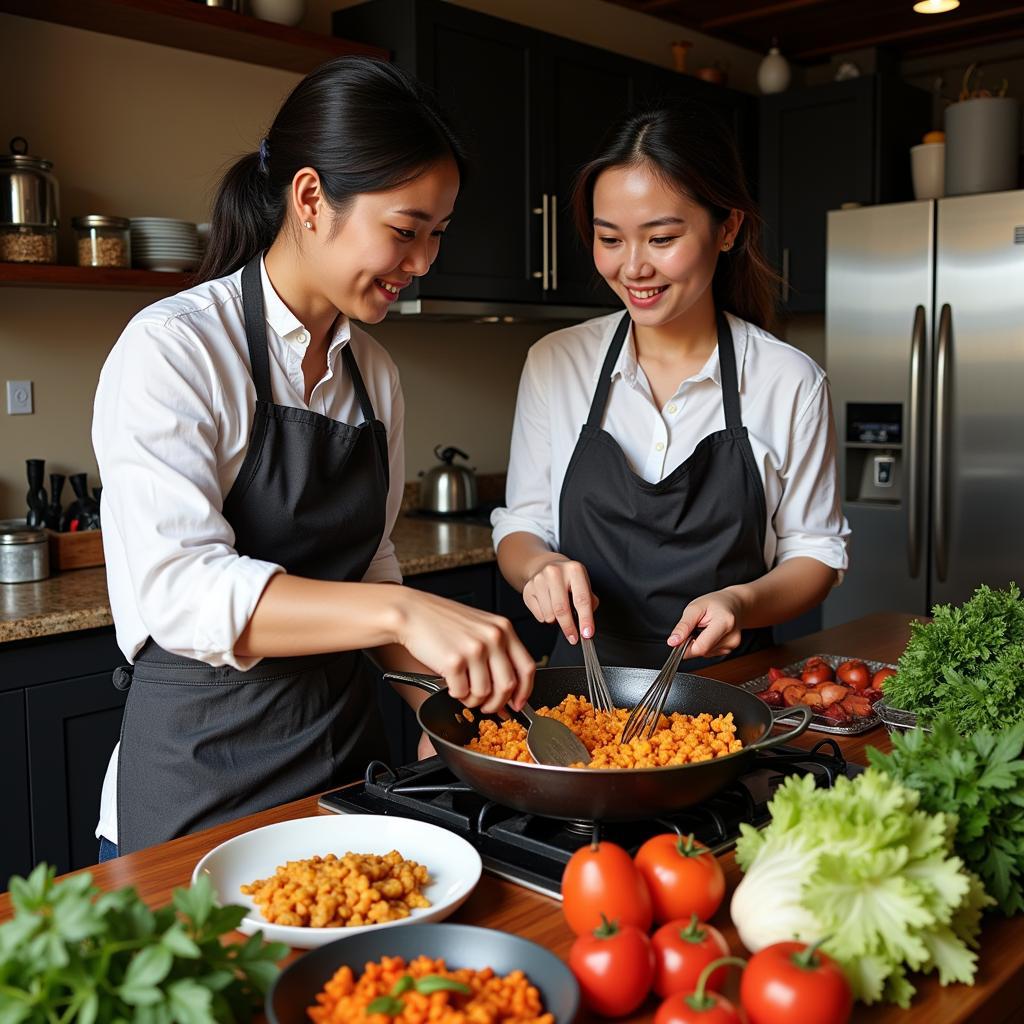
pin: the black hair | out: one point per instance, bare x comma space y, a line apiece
363, 124
694, 151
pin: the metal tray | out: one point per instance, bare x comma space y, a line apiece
896, 720
819, 723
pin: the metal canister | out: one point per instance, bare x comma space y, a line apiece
29, 207
24, 552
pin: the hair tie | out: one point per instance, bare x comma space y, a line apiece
264, 154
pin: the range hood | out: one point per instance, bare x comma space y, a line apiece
481, 312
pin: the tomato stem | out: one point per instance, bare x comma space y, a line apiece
699, 999
688, 848
692, 932
807, 959
606, 929
595, 838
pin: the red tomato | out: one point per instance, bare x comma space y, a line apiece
681, 951
790, 982
684, 877
614, 966
878, 681
855, 674
599, 881
678, 1010
816, 670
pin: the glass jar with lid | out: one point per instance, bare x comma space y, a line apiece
28, 207
102, 241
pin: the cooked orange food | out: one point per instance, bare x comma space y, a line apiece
476, 997
341, 892
679, 739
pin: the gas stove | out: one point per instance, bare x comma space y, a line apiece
532, 851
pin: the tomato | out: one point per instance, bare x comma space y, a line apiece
681, 951
878, 681
678, 1010
614, 966
683, 877
790, 981
601, 880
855, 674
815, 671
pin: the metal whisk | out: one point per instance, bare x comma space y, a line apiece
647, 713
597, 687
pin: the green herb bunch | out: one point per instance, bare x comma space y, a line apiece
967, 664
980, 779
75, 953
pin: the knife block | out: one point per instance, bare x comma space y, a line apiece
75, 550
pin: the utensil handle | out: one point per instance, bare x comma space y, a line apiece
430, 684
801, 727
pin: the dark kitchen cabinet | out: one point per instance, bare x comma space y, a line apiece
16, 848
822, 147
533, 107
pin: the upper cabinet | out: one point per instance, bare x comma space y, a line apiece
533, 108
845, 142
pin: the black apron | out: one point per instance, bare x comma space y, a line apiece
203, 745
651, 548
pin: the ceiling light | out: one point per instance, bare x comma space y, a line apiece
936, 6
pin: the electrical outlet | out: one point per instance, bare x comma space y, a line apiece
19, 397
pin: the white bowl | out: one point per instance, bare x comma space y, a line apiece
453, 864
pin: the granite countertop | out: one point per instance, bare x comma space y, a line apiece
78, 600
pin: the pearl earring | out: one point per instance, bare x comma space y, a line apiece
727, 247
309, 224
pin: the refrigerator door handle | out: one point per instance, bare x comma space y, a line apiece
943, 382
914, 438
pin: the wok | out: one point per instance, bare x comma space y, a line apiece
599, 794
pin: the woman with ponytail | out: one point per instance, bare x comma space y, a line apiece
249, 438
673, 467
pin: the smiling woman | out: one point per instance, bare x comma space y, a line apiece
673, 467
249, 436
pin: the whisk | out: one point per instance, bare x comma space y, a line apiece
597, 687
647, 713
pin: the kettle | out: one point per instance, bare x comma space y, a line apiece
448, 488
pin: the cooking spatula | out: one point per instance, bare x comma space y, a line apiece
549, 741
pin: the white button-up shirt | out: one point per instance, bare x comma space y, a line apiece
785, 406
171, 422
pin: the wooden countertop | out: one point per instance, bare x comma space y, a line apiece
76, 600
996, 998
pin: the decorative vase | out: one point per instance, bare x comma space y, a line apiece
773, 72
284, 12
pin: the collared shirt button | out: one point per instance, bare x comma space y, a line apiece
660, 446
672, 408
303, 337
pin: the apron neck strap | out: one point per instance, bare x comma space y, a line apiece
604, 381
727, 370
256, 328
357, 382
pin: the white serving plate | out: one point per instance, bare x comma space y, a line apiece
453, 864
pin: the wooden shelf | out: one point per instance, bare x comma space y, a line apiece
187, 25
55, 276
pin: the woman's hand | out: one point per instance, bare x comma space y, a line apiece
425, 747
720, 616
553, 591
483, 662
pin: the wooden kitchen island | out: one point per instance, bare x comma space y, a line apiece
996, 998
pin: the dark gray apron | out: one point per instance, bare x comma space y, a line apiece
651, 548
202, 745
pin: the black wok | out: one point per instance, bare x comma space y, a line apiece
593, 794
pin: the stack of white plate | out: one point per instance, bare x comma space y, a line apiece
162, 243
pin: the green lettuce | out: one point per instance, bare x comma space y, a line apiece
862, 864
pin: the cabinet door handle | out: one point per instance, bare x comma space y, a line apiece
554, 243
543, 274
943, 380
785, 275
915, 434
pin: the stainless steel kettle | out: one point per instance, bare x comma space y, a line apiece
447, 487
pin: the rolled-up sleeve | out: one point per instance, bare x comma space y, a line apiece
808, 520
528, 487
155, 430
385, 568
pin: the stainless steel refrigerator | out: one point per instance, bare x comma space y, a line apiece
925, 354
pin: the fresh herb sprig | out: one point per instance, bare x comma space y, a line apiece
392, 1005
75, 953
967, 664
980, 779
